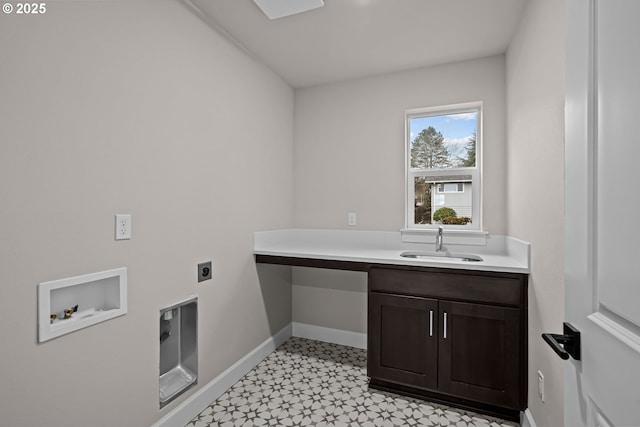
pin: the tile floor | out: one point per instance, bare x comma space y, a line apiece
313, 383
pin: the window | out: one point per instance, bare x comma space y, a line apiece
443, 166
451, 187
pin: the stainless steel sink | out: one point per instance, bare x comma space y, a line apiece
440, 255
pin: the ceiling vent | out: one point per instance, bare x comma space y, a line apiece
275, 9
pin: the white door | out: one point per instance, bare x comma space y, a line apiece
602, 215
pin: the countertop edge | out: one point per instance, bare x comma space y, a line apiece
478, 266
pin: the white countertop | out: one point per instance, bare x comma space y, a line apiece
500, 254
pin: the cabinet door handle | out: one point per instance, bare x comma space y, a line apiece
430, 323
445, 326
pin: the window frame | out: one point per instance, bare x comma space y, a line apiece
475, 172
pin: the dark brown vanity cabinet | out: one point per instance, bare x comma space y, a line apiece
405, 347
455, 336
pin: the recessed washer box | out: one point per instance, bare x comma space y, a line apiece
67, 305
178, 349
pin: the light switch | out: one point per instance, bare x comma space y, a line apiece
351, 218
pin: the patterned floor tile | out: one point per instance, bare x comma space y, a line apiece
313, 383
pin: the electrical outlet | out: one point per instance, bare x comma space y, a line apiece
204, 271
541, 386
351, 218
123, 226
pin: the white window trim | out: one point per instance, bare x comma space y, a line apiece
475, 228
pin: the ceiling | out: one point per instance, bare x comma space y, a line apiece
348, 39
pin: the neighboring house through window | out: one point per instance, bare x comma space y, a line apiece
451, 187
443, 166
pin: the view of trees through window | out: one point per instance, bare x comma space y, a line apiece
443, 143
430, 151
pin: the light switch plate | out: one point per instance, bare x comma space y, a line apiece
351, 218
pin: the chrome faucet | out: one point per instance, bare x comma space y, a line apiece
439, 239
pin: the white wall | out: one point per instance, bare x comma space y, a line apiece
349, 157
349, 150
140, 108
535, 192
330, 298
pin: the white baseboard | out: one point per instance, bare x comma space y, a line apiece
190, 408
335, 336
526, 419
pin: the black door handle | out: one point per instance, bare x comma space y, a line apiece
567, 344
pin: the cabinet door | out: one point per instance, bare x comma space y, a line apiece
403, 340
480, 353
